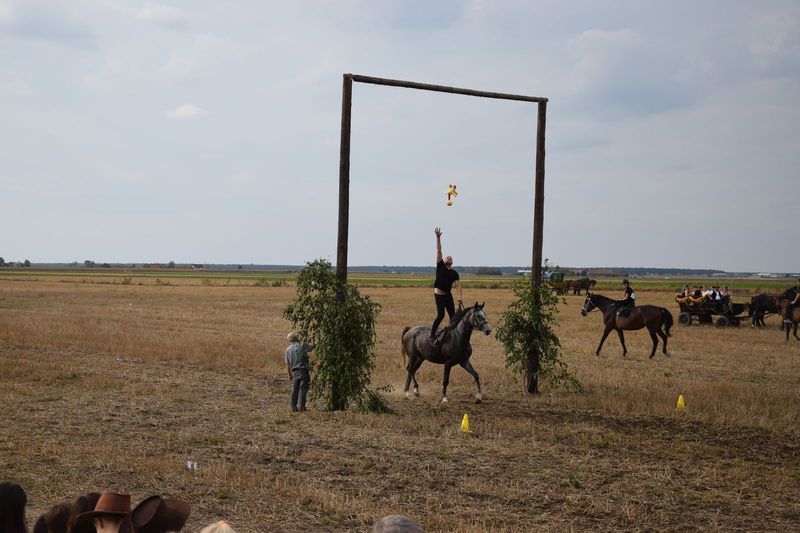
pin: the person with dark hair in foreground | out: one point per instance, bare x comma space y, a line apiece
12, 508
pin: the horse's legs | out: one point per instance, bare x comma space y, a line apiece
411, 362
655, 341
663, 336
413, 365
447, 366
795, 331
417, 364
466, 365
622, 341
602, 340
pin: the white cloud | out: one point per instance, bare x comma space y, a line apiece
186, 111
163, 15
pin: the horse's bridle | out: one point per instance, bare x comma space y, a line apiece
474, 321
586, 302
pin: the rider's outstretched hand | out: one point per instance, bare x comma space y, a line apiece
438, 231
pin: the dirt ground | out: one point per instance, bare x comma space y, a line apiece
115, 387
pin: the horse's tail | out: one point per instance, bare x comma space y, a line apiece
403, 351
667, 316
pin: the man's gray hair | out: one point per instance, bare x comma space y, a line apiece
292, 337
396, 523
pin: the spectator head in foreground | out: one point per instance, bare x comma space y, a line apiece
55, 520
156, 515
40, 526
108, 513
80, 505
292, 337
218, 527
12, 508
396, 523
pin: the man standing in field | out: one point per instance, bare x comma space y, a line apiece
442, 287
296, 358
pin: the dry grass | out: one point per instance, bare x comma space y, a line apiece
116, 386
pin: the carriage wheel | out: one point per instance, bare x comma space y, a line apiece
685, 319
723, 322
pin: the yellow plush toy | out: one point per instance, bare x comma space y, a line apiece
451, 193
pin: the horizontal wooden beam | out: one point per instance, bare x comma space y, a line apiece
443, 88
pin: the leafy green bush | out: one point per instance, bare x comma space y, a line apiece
340, 323
532, 347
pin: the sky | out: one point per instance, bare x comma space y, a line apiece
208, 131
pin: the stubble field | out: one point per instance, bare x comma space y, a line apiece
112, 386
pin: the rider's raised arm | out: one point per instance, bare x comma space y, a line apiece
438, 233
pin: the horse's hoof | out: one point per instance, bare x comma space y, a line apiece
444, 400
478, 398
416, 393
652, 355
597, 354
668, 354
407, 395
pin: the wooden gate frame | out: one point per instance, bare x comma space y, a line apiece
344, 163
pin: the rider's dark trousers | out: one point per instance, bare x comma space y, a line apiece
444, 302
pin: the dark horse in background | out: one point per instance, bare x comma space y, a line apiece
641, 316
761, 306
578, 285
454, 348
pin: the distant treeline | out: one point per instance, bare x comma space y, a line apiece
405, 269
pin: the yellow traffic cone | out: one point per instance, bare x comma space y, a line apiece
681, 404
465, 424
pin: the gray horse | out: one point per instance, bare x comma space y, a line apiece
454, 348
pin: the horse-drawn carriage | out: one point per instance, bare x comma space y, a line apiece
556, 282
704, 311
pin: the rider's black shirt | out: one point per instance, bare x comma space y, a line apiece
445, 277
629, 297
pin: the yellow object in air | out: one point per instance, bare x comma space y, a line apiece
451, 193
465, 424
681, 404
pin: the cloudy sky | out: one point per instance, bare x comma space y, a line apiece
208, 131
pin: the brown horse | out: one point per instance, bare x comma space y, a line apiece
783, 303
578, 285
641, 316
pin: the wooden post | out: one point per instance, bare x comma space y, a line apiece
538, 201
532, 366
344, 179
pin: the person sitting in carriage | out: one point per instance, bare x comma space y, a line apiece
684, 292
725, 299
628, 301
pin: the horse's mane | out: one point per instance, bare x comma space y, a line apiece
457, 317
601, 297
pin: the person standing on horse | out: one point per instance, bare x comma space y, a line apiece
787, 317
628, 301
446, 276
